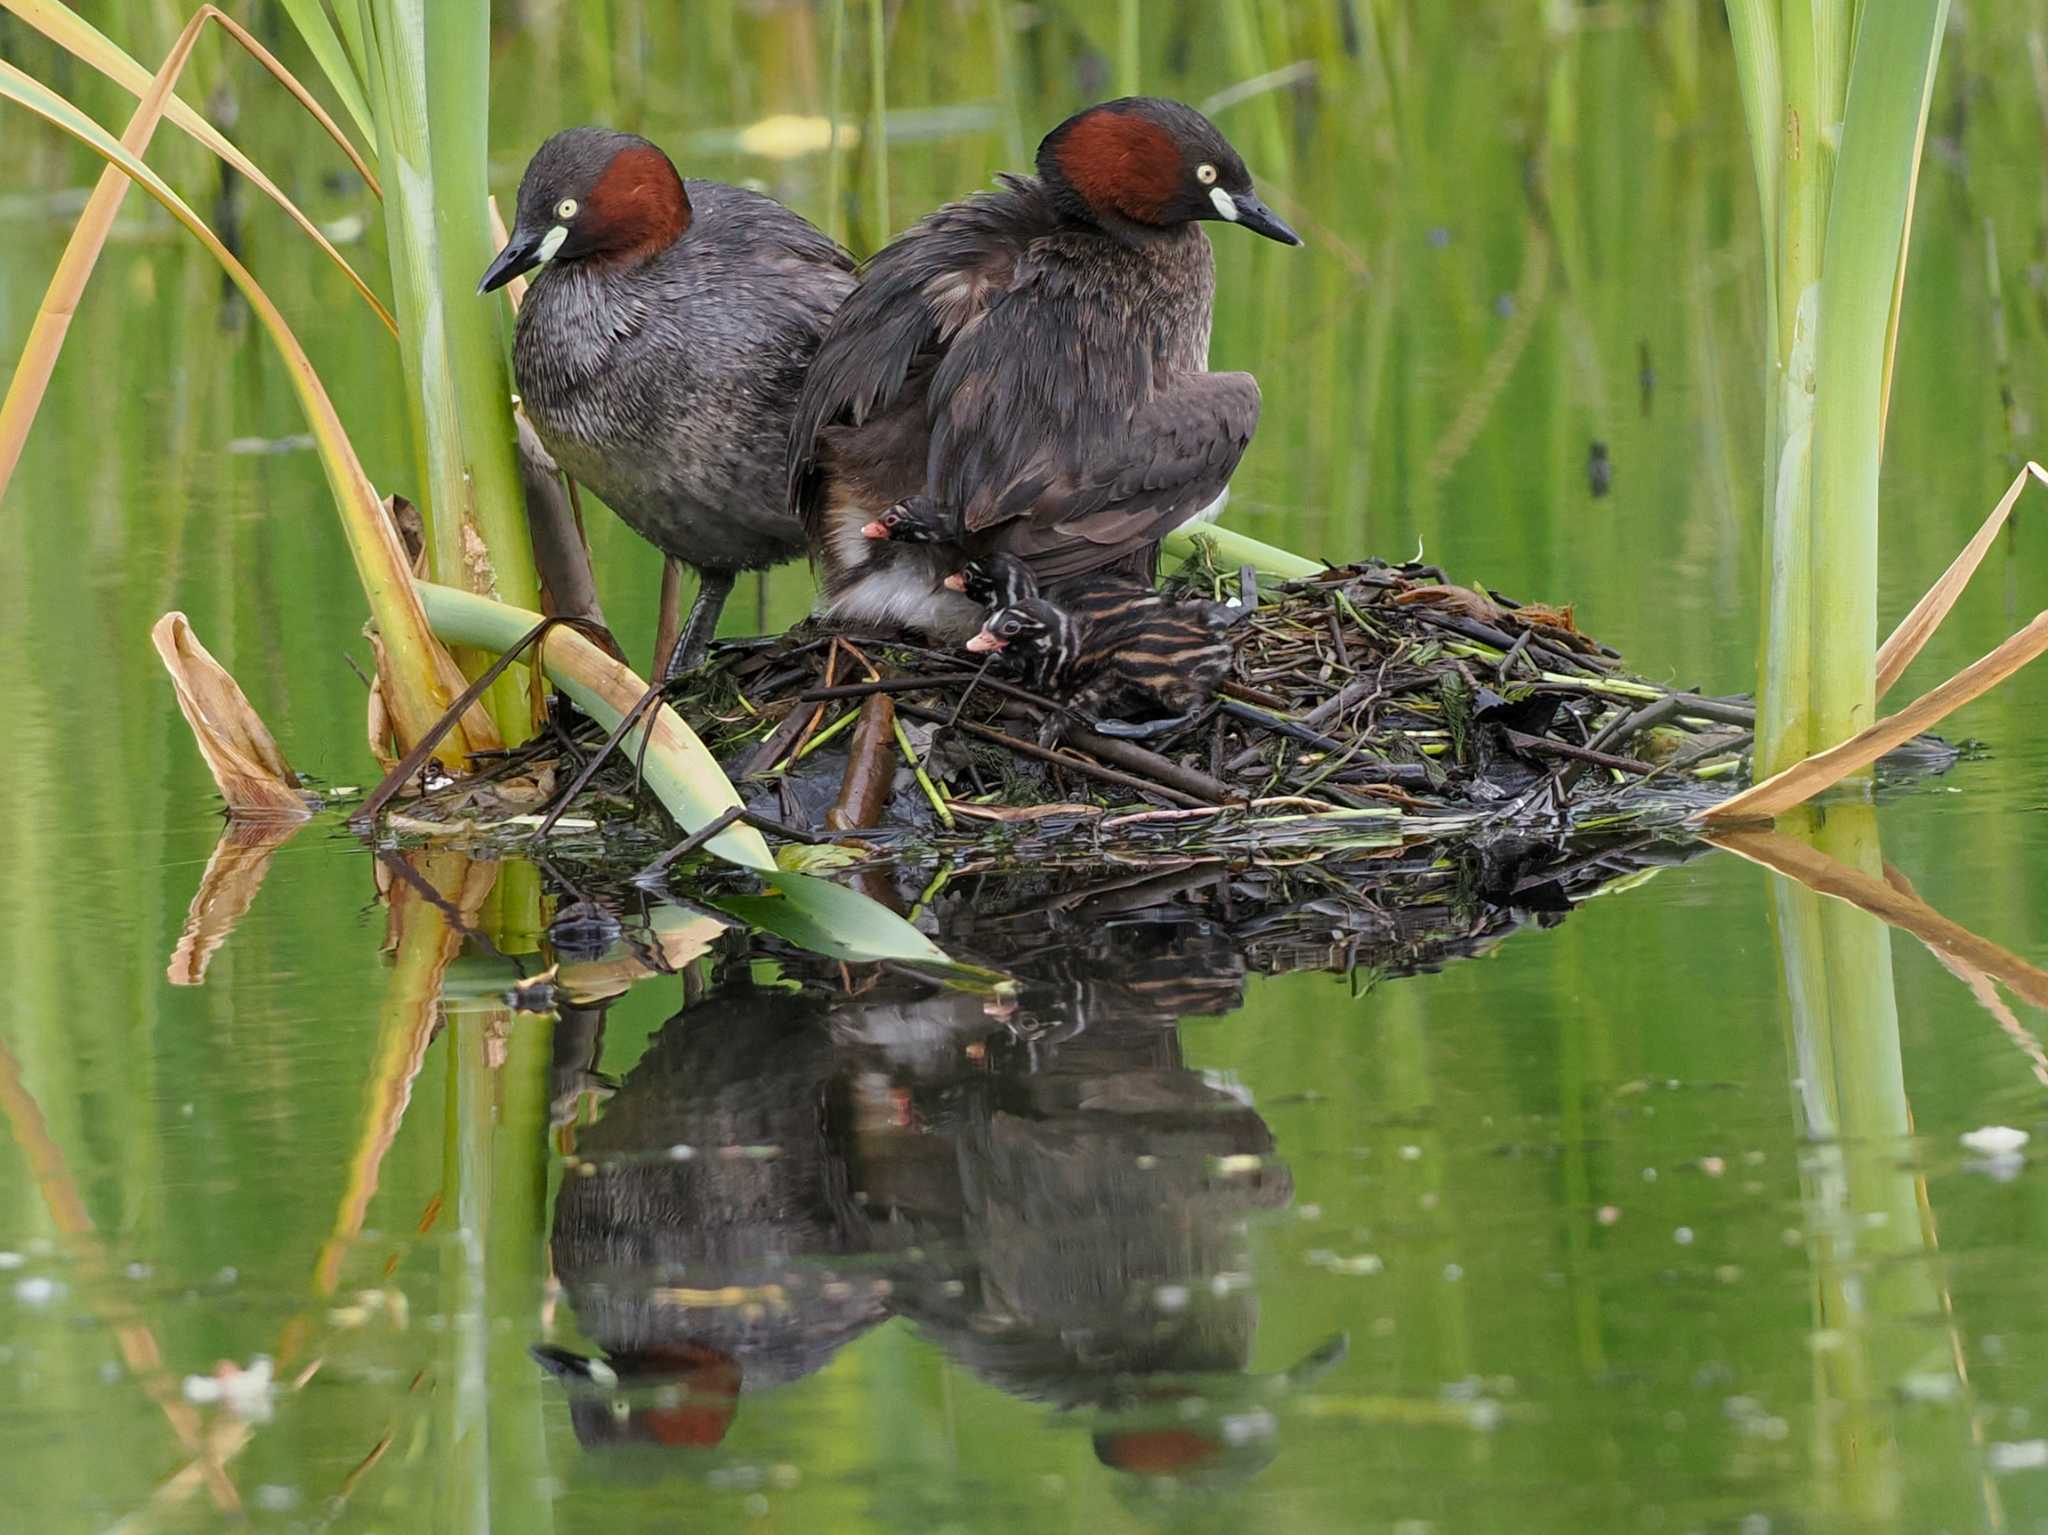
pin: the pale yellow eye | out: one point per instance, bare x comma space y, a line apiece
566, 208
1206, 174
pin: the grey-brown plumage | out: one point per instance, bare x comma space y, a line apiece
1032, 362
662, 345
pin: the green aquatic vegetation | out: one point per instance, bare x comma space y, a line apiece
421, 680
1836, 96
381, 62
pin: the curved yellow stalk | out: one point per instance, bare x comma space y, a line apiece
38, 360
83, 42
423, 679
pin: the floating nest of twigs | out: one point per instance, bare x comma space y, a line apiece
1369, 707
1368, 694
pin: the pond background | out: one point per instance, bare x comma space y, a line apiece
1530, 229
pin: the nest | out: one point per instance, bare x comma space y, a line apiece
1372, 690
1371, 707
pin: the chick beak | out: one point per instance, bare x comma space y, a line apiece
984, 643
520, 255
957, 581
1259, 219
875, 529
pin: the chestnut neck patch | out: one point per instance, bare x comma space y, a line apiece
710, 1383
638, 207
1121, 162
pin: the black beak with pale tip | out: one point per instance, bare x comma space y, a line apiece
520, 256
1254, 215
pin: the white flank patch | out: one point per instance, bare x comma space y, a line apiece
843, 527
899, 594
552, 242
1226, 205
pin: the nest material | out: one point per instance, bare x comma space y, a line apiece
1368, 688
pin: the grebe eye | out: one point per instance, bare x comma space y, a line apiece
1206, 174
566, 208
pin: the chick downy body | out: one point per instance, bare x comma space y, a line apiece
1111, 649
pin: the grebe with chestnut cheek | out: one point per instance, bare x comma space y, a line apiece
661, 348
1026, 371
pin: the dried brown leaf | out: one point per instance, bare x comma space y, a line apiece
1541, 615
1455, 599
378, 728
1789, 856
1982, 987
235, 872
1918, 626
240, 752
678, 937
1005, 813
423, 933
1823, 770
412, 531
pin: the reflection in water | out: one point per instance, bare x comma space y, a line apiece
1040, 1186
1882, 1332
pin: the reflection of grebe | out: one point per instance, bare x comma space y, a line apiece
703, 1277
1093, 1253
690, 1394
1062, 1206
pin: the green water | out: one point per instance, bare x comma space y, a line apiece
1654, 1217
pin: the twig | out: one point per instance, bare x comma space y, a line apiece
1125, 754
1722, 711
448, 909
824, 737
1286, 728
1057, 759
1515, 652
1581, 754
885, 685
778, 741
422, 749
703, 834
924, 779
643, 706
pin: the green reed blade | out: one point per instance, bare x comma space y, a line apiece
1896, 50
430, 95
316, 30
419, 670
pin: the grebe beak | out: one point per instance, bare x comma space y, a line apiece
522, 253
1261, 220
875, 529
957, 581
984, 643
